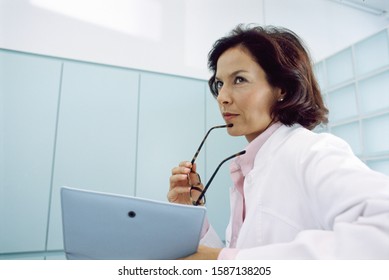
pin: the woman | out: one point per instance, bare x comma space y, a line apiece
296, 194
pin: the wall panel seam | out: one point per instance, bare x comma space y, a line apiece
54, 155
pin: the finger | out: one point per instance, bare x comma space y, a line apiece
179, 179
179, 190
180, 170
194, 179
185, 164
194, 167
179, 195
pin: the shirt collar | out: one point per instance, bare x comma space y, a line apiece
246, 162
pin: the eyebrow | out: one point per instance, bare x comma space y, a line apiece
233, 74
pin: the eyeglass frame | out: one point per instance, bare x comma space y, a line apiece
201, 200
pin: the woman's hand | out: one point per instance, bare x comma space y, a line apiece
179, 183
204, 253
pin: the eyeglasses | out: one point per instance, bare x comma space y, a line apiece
197, 195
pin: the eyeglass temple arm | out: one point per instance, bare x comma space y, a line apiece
205, 137
213, 175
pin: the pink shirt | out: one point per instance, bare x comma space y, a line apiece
239, 168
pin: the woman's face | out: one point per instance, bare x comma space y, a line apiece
245, 97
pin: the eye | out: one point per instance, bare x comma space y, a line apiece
239, 80
218, 85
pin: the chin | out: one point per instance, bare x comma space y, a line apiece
233, 132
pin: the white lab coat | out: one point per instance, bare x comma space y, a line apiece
309, 197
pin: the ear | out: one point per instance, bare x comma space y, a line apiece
280, 94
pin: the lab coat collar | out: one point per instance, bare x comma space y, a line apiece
245, 162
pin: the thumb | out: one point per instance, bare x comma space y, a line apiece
194, 167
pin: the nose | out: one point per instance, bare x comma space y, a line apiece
224, 96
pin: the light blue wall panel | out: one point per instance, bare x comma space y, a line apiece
2, 145
379, 165
320, 74
22, 256
340, 68
351, 134
374, 93
356, 81
29, 88
376, 135
342, 103
372, 53
219, 146
96, 143
171, 126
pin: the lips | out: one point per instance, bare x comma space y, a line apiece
229, 116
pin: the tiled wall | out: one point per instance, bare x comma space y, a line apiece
96, 127
355, 85
121, 130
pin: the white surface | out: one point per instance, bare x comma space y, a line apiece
170, 36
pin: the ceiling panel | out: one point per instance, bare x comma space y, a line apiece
378, 7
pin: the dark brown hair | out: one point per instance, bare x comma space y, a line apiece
287, 65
